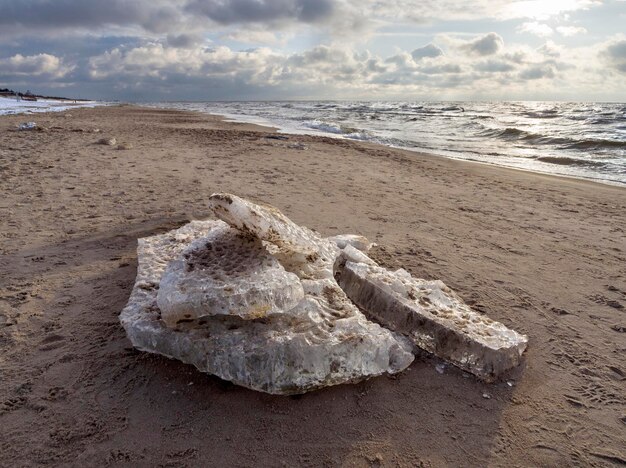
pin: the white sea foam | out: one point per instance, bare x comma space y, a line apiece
9, 106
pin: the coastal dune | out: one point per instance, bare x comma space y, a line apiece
544, 255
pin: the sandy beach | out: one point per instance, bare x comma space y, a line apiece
542, 254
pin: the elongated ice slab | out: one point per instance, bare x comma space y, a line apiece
298, 249
226, 273
433, 317
323, 341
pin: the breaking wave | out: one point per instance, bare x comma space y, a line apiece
565, 161
516, 134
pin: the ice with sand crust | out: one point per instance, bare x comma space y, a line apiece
253, 298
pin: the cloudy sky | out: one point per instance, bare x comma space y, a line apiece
315, 49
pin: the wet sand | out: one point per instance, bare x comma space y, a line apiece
544, 255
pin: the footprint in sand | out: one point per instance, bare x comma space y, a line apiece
12, 404
600, 299
595, 394
56, 393
52, 342
616, 290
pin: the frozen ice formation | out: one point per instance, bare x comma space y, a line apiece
432, 316
298, 249
226, 272
254, 298
324, 340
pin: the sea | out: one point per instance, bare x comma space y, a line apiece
577, 139
584, 140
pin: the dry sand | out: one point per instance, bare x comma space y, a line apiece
544, 255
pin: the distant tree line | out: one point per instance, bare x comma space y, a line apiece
9, 92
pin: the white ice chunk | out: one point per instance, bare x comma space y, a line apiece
226, 273
358, 242
298, 249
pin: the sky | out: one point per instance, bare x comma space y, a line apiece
154, 50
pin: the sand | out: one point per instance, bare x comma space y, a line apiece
544, 255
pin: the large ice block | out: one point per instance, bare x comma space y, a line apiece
324, 340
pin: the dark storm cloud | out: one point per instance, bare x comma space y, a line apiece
156, 16
251, 11
67, 47
184, 41
174, 17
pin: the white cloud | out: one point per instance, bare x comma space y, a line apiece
335, 71
488, 44
538, 29
571, 30
538, 71
33, 65
429, 50
257, 36
157, 60
427, 10
550, 49
545, 9
495, 66
402, 60
615, 54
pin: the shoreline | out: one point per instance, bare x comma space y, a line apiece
262, 121
544, 255
43, 106
276, 129
268, 126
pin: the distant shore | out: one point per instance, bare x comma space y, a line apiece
11, 106
545, 255
10, 94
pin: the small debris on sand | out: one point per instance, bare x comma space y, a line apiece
27, 126
107, 141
